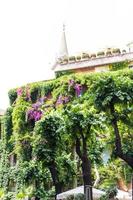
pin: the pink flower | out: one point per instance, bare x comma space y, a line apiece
19, 91
78, 89
71, 82
66, 99
33, 114
63, 100
60, 100
42, 99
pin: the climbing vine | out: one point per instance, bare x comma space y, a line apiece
44, 123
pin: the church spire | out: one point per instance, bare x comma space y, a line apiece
63, 51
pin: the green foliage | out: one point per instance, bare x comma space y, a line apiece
9, 196
70, 197
59, 74
48, 140
25, 192
12, 96
7, 125
110, 193
109, 90
113, 171
84, 119
52, 137
117, 92
35, 92
79, 196
46, 88
1, 192
66, 168
19, 116
119, 66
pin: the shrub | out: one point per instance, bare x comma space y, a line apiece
12, 96
70, 197
78, 58
72, 58
108, 53
9, 196
35, 92
93, 55
116, 51
85, 56
110, 193
123, 51
79, 196
119, 66
65, 60
101, 53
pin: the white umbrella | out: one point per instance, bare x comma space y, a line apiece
96, 193
122, 195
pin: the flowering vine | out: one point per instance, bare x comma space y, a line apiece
77, 87
19, 91
33, 114
62, 100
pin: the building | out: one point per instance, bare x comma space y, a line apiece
87, 62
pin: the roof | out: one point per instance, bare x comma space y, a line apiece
68, 64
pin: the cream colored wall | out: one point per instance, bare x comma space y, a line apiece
102, 68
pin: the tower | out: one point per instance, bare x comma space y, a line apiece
63, 50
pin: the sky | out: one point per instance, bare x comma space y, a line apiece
30, 33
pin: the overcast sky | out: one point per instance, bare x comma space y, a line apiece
30, 32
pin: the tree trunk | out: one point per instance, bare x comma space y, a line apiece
36, 186
37, 198
119, 152
74, 157
86, 167
54, 174
121, 184
86, 170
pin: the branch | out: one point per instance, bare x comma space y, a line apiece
119, 152
97, 176
116, 131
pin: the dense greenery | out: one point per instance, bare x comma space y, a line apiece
58, 130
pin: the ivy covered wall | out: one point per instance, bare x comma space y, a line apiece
40, 131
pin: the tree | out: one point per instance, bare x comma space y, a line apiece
114, 96
81, 123
49, 148
47, 144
